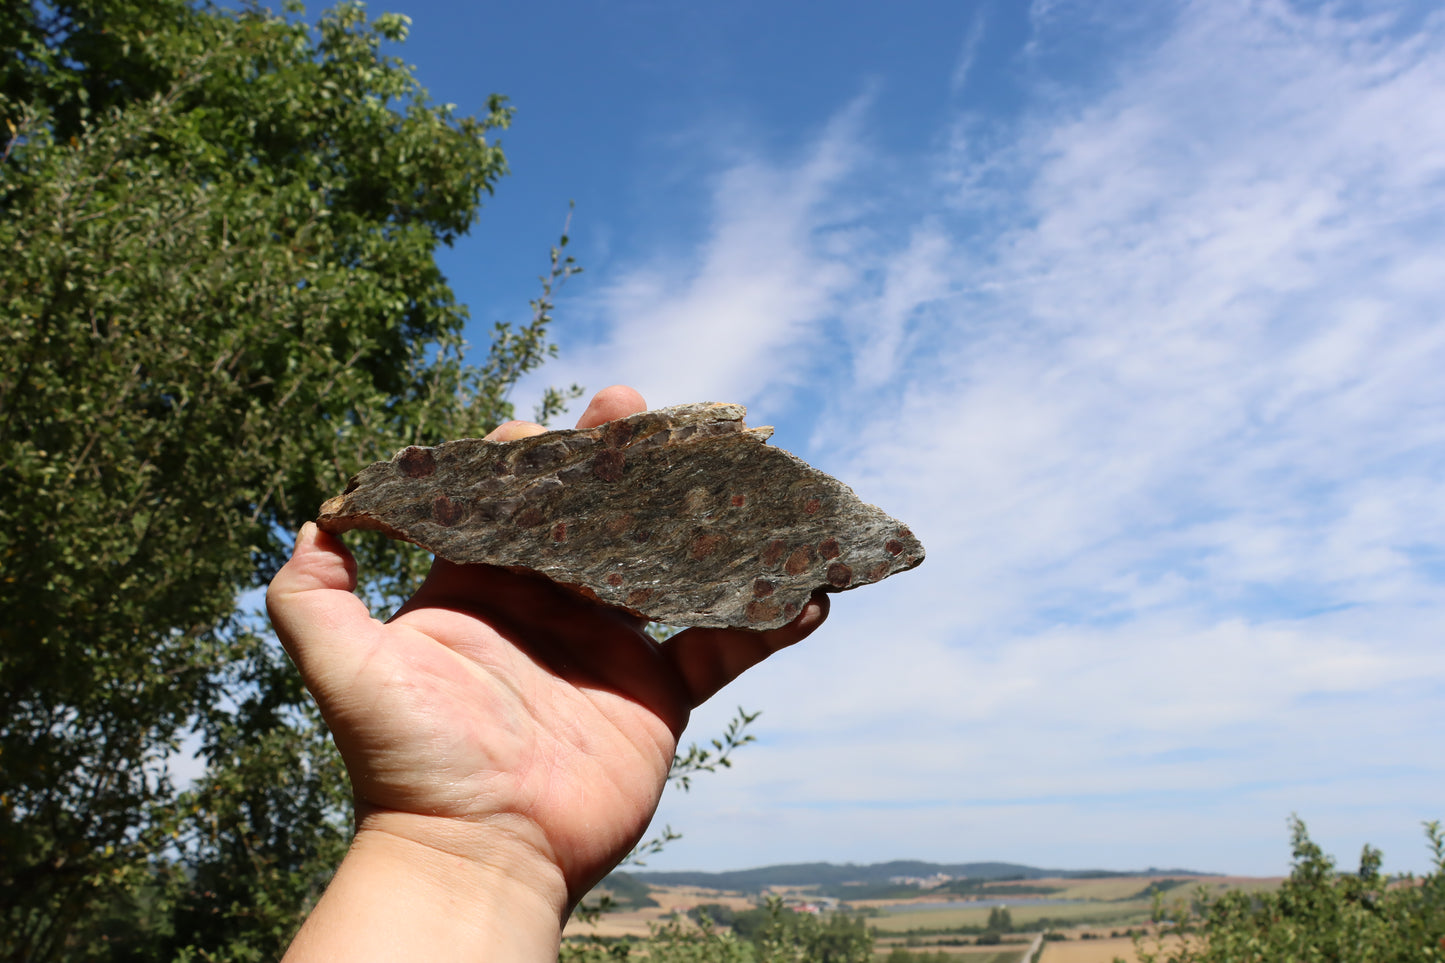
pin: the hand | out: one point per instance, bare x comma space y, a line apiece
499, 729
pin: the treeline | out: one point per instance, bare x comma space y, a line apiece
877, 880
973, 887
850, 874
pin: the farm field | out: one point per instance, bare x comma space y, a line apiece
1024, 915
1104, 905
670, 899
1010, 953
1107, 902
1089, 951
1103, 950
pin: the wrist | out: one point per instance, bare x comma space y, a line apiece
418, 887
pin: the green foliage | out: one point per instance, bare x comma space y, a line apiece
770, 934
749, 923
1317, 914
261, 830
218, 298
676, 940
715, 913
790, 937
696, 759
1000, 920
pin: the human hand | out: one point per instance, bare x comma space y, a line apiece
509, 729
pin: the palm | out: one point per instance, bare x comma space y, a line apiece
494, 697
567, 721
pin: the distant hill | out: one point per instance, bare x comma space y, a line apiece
873, 874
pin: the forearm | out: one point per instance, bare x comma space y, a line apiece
395, 897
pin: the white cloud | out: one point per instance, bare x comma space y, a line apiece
730, 322
881, 327
1095, 728
1172, 429
1197, 336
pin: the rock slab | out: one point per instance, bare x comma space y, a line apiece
681, 515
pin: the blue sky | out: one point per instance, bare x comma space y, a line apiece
1137, 318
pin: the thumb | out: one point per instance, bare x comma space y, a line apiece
310, 601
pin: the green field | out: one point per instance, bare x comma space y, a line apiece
1108, 889
1024, 916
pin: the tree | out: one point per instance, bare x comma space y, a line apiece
1317, 914
715, 913
790, 937
218, 297
769, 934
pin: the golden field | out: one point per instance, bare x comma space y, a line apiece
670, 899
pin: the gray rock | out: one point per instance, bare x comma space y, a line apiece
682, 515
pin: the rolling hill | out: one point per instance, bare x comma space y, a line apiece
835, 874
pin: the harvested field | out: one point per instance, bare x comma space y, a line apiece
670, 899
1094, 951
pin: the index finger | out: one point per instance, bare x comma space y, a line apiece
609, 404
612, 403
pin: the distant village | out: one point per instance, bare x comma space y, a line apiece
828, 904
924, 882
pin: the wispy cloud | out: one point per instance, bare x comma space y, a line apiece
1155, 375
1196, 353
968, 52
732, 319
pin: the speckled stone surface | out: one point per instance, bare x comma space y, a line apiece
682, 515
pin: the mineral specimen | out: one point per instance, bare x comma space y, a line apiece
682, 515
